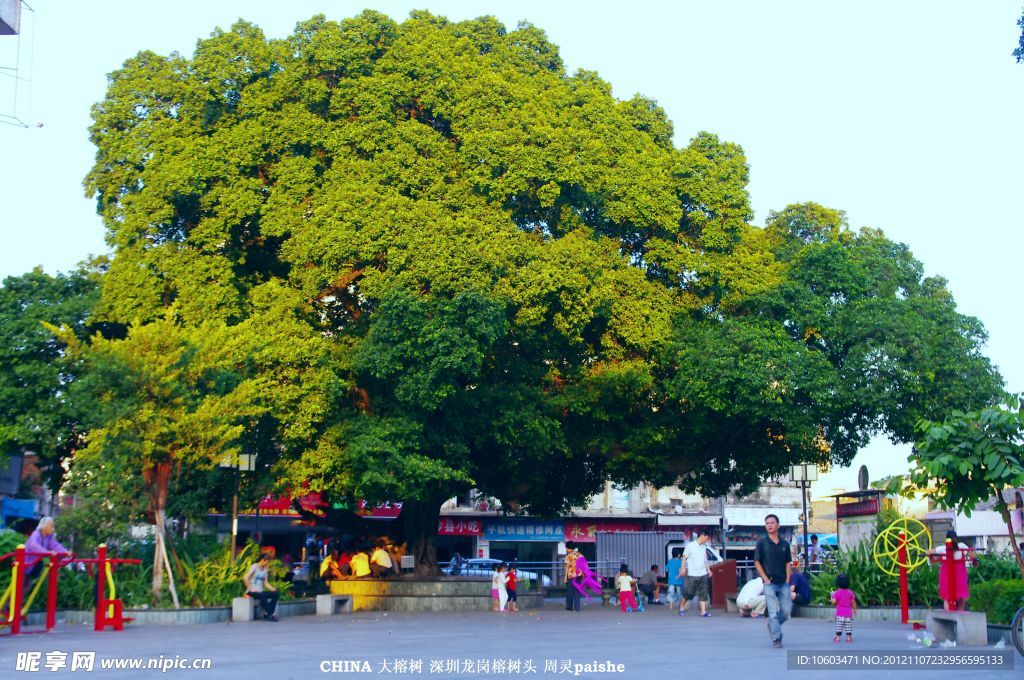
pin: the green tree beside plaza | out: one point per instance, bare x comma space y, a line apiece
897, 345
499, 275
973, 456
161, 402
319, 162
35, 413
171, 401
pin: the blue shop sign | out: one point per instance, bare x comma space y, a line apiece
524, 530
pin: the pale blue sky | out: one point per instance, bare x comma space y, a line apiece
907, 115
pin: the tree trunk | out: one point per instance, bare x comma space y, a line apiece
158, 558
158, 478
1005, 512
419, 519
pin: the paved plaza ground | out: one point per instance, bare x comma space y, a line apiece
654, 644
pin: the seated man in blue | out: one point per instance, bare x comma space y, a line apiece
799, 586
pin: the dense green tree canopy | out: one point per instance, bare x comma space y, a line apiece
171, 397
35, 414
495, 274
893, 337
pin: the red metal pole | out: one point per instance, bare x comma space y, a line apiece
904, 588
18, 574
101, 573
51, 592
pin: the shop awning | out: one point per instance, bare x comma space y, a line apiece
268, 525
19, 507
689, 520
754, 516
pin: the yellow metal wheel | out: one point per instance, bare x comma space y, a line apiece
887, 546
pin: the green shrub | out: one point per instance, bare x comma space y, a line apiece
9, 540
77, 589
876, 588
872, 585
993, 568
215, 581
92, 521
999, 599
201, 581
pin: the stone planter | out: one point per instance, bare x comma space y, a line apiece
445, 594
863, 613
407, 594
997, 632
171, 617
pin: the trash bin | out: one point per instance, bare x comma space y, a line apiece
723, 581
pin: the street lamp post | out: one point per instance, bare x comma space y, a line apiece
804, 473
245, 462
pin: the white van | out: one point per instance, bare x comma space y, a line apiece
714, 556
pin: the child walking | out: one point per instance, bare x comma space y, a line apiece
846, 607
626, 585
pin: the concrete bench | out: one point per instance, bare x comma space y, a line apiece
963, 628
329, 605
243, 609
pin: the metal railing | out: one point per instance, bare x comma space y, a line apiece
609, 568
555, 571
606, 569
745, 570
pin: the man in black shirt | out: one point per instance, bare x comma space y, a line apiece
772, 558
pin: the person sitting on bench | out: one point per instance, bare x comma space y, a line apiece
380, 561
258, 587
649, 585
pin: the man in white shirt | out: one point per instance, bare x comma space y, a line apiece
750, 599
380, 561
695, 569
813, 553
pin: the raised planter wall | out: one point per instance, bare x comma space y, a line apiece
171, 617
427, 595
863, 613
396, 595
995, 632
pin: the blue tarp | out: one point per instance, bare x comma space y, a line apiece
18, 507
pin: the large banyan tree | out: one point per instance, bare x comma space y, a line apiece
454, 265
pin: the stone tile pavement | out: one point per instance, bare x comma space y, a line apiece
543, 643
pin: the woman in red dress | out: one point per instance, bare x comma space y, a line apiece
957, 591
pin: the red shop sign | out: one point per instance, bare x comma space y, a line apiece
858, 509
585, 531
281, 506
384, 510
450, 526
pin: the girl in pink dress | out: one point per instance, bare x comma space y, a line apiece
846, 607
